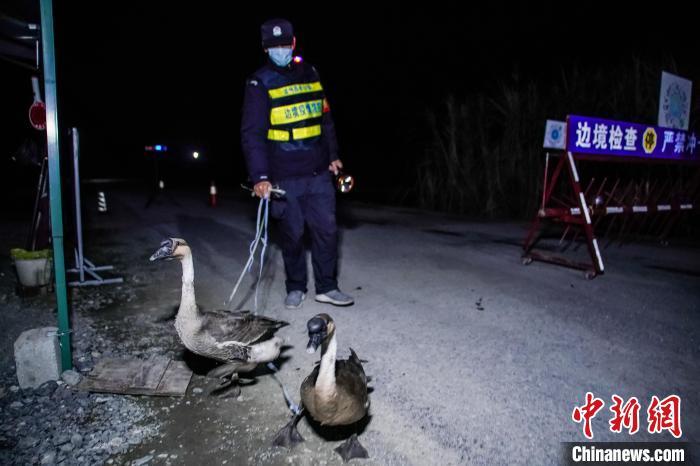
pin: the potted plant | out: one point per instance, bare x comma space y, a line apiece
33, 267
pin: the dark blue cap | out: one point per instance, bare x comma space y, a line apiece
276, 32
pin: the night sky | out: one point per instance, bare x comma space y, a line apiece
133, 74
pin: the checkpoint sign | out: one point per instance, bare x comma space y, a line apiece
37, 115
590, 135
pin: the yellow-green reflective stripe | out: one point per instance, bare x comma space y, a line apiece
297, 133
306, 132
296, 112
295, 89
277, 135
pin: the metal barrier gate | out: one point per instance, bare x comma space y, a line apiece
614, 179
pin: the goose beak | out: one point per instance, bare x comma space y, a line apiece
164, 252
315, 341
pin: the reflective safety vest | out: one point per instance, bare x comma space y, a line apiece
296, 107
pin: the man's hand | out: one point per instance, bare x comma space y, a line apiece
262, 189
335, 166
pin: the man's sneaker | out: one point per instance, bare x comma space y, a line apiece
335, 297
294, 299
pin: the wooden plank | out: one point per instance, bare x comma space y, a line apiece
109, 376
149, 373
175, 380
102, 386
157, 376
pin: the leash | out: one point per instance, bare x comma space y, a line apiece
260, 238
261, 224
293, 407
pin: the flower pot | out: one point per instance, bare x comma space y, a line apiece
33, 267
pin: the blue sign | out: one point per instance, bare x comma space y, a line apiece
589, 135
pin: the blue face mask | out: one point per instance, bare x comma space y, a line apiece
280, 56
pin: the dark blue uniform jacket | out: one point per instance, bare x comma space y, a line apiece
274, 160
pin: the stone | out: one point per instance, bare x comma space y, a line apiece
47, 388
48, 458
115, 445
141, 461
61, 439
135, 437
71, 377
83, 365
63, 394
76, 440
28, 442
37, 357
67, 447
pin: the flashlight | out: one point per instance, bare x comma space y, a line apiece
344, 182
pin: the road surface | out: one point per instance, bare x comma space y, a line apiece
474, 358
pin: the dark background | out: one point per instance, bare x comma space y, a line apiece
131, 74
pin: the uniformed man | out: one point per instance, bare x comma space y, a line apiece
289, 139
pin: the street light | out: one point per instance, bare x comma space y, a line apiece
195, 155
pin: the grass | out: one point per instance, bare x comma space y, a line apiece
485, 156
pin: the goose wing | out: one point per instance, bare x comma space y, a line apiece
350, 373
241, 327
351, 401
229, 351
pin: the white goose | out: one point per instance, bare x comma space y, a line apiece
239, 339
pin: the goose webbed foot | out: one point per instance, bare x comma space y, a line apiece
289, 436
227, 388
226, 370
351, 448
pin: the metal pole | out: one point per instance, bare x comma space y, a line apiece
47, 42
80, 265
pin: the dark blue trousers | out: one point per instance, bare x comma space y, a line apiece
310, 202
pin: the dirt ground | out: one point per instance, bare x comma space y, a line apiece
474, 358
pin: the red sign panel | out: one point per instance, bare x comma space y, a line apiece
37, 115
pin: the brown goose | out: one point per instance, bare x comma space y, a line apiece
335, 393
239, 339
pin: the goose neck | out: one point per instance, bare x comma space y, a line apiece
187, 269
188, 303
326, 372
